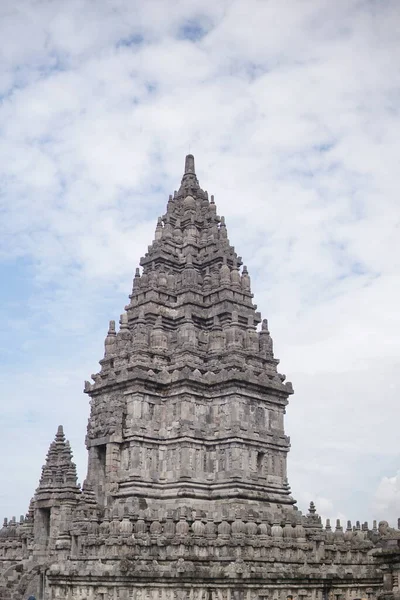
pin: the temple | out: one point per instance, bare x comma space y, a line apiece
186, 495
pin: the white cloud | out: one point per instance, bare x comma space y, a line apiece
291, 110
386, 500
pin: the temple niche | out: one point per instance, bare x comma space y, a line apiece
186, 494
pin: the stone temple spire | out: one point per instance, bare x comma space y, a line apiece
192, 348
59, 477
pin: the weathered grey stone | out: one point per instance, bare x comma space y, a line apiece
186, 495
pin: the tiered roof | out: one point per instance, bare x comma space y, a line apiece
59, 477
191, 307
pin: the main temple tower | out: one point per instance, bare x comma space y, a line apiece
188, 404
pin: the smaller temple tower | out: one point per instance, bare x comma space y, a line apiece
56, 496
27, 547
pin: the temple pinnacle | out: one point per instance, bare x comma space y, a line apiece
189, 180
189, 164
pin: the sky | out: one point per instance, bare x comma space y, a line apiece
291, 108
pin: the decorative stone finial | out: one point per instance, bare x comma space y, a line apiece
245, 280
159, 230
123, 321
189, 164
266, 344
135, 284
109, 342
222, 229
190, 182
225, 272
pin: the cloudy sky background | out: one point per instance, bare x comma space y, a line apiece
292, 111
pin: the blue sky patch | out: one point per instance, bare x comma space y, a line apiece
193, 31
136, 39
